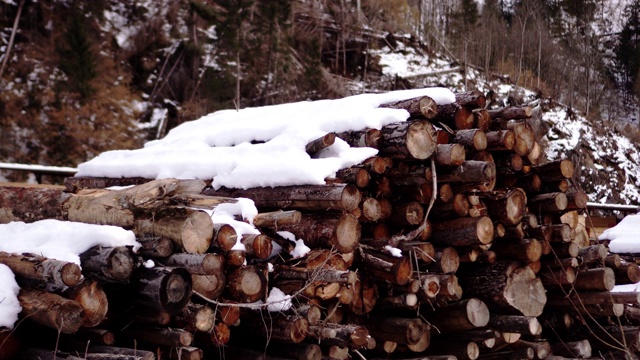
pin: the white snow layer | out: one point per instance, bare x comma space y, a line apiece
278, 301
9, 304
263, 146
61, 240
625, 237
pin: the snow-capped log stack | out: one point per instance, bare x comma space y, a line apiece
455, 240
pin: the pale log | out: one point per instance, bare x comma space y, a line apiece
343, 197
561, 233
420, 107
396, 270
501, 140
328, 230
524, 137
200, 264
541, 348
398, 330
311, 312
93, 299
159, 336
463, 232
162, 288
550, 202
110, 264
408, 140
276, 218
471, 139
346, 335
362, 138
317, 274
528, 325
155, 247
371, 210
247, 284
454, 116
468, 314
53, 272
450, 154
512, 112
597, 279
323, 142
190, 230
565, 249
51, 310
507, 286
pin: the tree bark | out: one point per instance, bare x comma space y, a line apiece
58, 274
51, 310
465, 315
471, 139
162, 288
422, 107
328, 230
463, 232
362, 138
450, 154
109, 264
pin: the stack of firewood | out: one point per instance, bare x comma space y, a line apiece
456, 241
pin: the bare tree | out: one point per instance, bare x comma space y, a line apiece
7, 54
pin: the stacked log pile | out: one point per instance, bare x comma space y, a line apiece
457, 241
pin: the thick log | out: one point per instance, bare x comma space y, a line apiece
450, 154
525, 137
507, 286
559, 233
51, 310
91, 296
323, 142
555, 170
357, 176
162, 288
224, 237
481, 119
454, 116
512, 112
468, 314
472, 99
558, 277
29, 204
396, 270
534, 157
422, 107
276, 218
565, 249
598, 279
109, 264
594, 255
508, 164
573, 349
234, 258
199, 264
247, 284
463, 232
528, 325
550, 202
58, 274
408, 140
469, 171
459, 207
407, 214
446, 261
195, 317
506, 207
328, 230
362, 138
190, 230
501, 140
155, 247
258, 246
377, 165
343, 197
471, 139
159, 336
398, 330
371, 210
627, 273
526, 250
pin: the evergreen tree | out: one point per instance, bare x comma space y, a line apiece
77, 60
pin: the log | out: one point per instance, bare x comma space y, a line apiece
550, 202
357, 176
328, 230
573, 349
162, 288
104, 349
598, 279
511, 112
377, 165
526, 250
471, 139
365, 296
342, 197
527, 325
190, 230
224, 237
362, 138
155, 247
247, 284
235, 258
321, 143
506, 207
371, 210
319, 274
300, 351
407, 214
471, 99
450, 154
468, 314
396, 329
594, 255
276, 218
422, 107
159, 336
51, 310
469, 171
565, 249
258, 246
459, 207
58, 274
506, 286
555, 170
481, 119
558, 277
463, 232
199, 264
408, 140
290, 329
454, 116
186, 353
91, 296
109, 264
561, 233
501, 140
195, 317
627, 273
344, 335
396, 270
525, 137
446, 261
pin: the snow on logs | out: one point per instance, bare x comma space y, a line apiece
499, 265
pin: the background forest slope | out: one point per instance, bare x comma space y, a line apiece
79, 77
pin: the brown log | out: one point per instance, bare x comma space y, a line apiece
472, 99
422, 107
481, 119
199, 264
573, 349
528, 325
190, 230
407, 214
565, 250
95, 336
11, 344
450, 154
446, 261
398, 330
502, 140
512, 112
159, 336
507, 164
276, 218
396, 270
559, 233
468, 314
507, 286
506, 207
324, 258
91, 296
627, 273
224, 237
514, 232
471, 139
328, 230
463, 232
594, 255
53, 272
527, 250
343, 197
247, 284
257, 246
51, 310
378, 165
577, 200
613, 261
155, 247
365, 296
195, 317
75, 184
235, 258
408, 140
319, 274
454, 116
42, 354
321, 143
469, 171
29, 204
108, 264
524, 136
550, 202
291, 329
598, 279
162, 288
487, 257
357, 176
555, 170
401, 301
383, 187
362, 138
343, 335
371, 210
557, 277
459, 207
